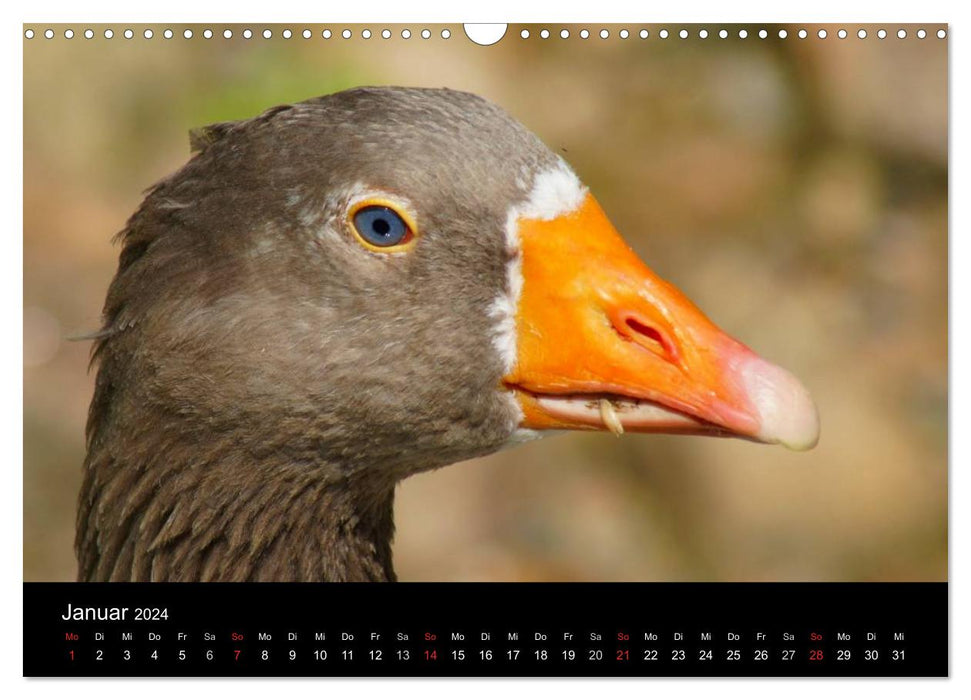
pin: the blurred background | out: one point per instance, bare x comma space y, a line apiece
795, 189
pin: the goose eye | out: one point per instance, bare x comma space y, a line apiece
381, 226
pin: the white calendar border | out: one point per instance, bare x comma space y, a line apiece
11, 280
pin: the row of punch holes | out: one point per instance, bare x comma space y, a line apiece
524, 34
245, 34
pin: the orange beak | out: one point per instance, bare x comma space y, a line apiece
603, 343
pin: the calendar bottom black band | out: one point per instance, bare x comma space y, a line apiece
488, 629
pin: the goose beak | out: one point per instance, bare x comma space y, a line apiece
605, 344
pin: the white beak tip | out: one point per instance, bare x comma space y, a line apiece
787, 413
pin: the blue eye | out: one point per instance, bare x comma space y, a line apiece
381, 226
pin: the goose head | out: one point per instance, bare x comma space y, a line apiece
345, 291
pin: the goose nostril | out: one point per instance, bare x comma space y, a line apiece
649, 337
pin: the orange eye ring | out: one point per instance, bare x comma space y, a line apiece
409, 238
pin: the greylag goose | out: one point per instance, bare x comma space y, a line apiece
340, 293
